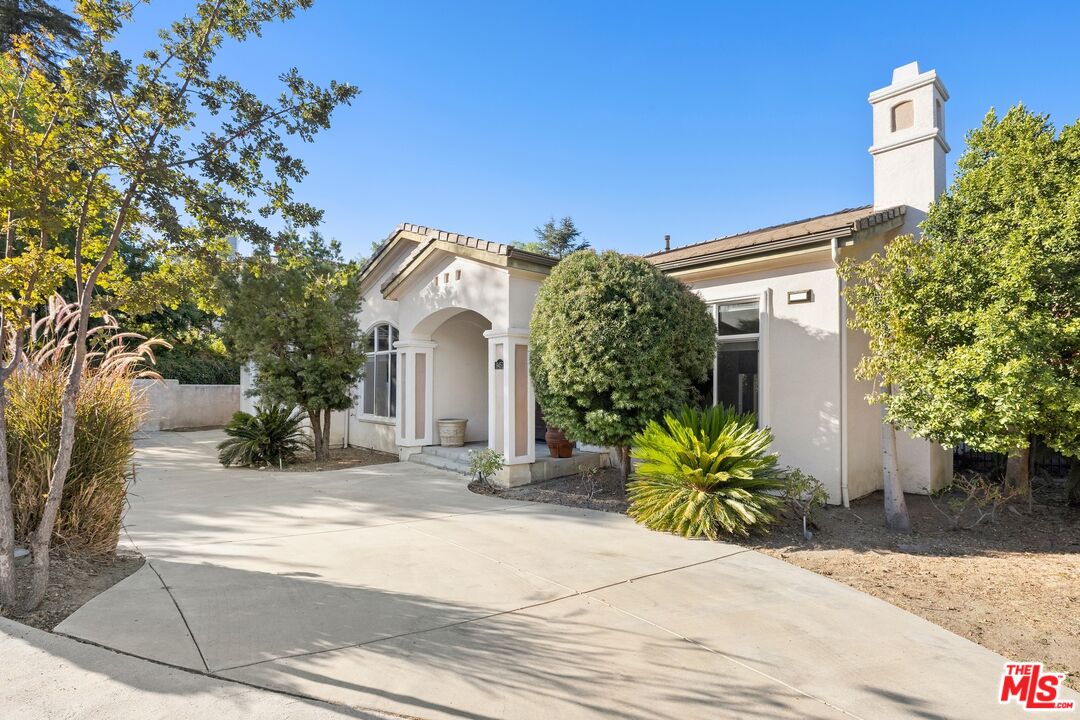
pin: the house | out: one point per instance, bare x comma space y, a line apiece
447, 318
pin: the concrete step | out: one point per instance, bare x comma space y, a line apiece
457, 454
437, 461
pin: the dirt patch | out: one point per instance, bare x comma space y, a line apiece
340, 458
1012, 586
602, 490
73, 582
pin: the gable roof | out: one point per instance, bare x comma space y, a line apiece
431, 239
843, 223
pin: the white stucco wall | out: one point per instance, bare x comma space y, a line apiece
799, 358
461, 373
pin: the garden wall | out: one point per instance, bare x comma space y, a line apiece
171, 405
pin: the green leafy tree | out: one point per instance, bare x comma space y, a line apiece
54, 32
290, 311
615, 344
163, 152
974, 327
558, 239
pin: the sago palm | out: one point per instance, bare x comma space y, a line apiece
704, 472
272, 436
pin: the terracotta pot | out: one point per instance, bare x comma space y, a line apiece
452, 432
558, 445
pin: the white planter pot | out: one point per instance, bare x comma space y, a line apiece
452, 432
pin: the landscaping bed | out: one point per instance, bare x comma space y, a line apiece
73, 581
1012, 586
340, 458
600, 491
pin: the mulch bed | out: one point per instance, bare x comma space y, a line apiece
1012, 585
340, 458
73, 581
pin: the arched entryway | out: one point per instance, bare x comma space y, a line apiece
460, 373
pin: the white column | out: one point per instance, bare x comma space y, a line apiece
416, 373
511, 420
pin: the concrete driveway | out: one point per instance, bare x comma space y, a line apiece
392, 588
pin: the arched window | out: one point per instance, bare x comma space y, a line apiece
379, 386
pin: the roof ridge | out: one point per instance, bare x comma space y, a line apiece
763, 229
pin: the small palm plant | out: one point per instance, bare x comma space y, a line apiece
705, 472
274, 435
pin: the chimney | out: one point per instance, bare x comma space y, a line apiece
667, 243
909, 141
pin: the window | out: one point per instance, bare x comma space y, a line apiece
903, 115
735, 381
380, 372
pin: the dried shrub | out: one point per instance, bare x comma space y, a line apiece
108, 413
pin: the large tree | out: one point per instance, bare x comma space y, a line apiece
290, 311
975, 325
556, 238
614, 344
162, 151
53, 32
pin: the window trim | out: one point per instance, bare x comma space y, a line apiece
764, 301
391, 377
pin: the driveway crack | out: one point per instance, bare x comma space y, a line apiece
172, 597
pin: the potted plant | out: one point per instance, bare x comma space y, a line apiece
558, 444
452, 432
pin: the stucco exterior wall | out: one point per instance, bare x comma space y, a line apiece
170, 405
799, 358
461, 373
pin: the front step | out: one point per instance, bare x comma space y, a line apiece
438, 461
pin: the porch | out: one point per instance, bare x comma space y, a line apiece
544, 467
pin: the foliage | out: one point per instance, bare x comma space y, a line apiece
108, 412
557, 239
615, 344
804, 494
292, 315
972, 494
52, 31
976, 325
162, 154
705, 472
195, 366
483, 464
274, 436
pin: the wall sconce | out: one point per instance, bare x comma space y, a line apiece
794, 297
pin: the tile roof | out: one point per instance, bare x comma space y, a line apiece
843, 222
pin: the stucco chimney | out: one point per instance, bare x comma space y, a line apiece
909, 141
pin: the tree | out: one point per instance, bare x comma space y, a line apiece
557, 239
615, 344
55, 33
290, 311
162, 152
976, 325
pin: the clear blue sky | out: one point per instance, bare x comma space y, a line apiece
637, 119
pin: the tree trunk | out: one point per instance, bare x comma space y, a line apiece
624, 460
1018, 471
1072, 484
326, 434
316, 434
896, 513
8, 598
42, 537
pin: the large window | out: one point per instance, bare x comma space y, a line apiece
735, 380
380, 372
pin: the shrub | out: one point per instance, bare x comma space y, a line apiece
705, 472
615, 343
198, 367
108, 412
485, 463
804, 494
274, 435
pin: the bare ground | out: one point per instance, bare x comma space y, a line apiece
1012, 585
73, 581
340, 458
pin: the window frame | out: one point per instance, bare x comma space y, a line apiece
763, 299
392, 336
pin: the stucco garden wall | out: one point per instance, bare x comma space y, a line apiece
170, 405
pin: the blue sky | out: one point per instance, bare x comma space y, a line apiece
693, 119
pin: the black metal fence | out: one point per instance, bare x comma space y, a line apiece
1047, 461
